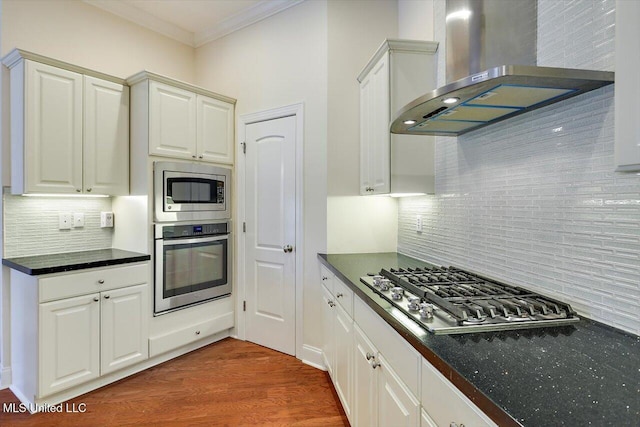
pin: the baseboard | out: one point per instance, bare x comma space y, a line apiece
5, 377
312, 356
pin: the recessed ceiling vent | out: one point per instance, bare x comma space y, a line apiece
482, 35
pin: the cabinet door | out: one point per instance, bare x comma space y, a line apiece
215, 130
343, 369
172, 121
365, 385
445, 404
396, 404
52, 130
69, 340
375, 138
328, 307
106, 137
124, 327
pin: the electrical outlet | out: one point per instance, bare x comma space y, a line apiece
78, 220
64, 221
419, 224
106, 219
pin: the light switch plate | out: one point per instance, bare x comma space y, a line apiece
78, 220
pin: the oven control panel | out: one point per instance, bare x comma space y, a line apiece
194, 230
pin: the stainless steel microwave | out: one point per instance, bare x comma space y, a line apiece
191, 191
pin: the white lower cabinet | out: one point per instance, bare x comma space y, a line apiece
365, 402
69, 343
71, 328
445, 404
397, 406
328, 343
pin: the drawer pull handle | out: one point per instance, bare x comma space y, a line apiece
197, 332
101, 281
339, 295
107, 296
96, 299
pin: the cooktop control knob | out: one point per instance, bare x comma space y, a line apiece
385, 284
376, 280
414, 303
426, 311
397, 293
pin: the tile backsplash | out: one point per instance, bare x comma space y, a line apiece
31, 225
535, 200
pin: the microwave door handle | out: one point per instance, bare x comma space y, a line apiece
179, 241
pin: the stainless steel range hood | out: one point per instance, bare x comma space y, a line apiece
482, 35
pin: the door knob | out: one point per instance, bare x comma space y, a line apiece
287, 249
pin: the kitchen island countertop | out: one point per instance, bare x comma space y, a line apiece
578, 375
71, 261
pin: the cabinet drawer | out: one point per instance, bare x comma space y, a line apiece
344, 296
445, 404
404, 358
326, 278
192, 333
91, 281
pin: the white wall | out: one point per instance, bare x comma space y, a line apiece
75, 32
356, 30
277, 62
415, 19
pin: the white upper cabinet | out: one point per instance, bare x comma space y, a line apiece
214, 130
69, 128
627, 87
172, 121
106, 137
399, 72
181, 121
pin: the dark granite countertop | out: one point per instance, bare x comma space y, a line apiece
579, 375
70, 261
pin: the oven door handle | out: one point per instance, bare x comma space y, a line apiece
194, 240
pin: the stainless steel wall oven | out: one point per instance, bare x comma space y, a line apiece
192, 263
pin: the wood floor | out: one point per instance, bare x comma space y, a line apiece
228, 383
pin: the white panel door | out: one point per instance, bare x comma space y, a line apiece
172, 121
124, 327
365, 390
270, 236
106, 137
69, 342
396, 404
366, 132
379, 162
53, 131
215, 130
328, 342
343, 369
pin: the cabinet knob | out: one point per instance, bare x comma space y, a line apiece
78, 190
324, 277
454, 424
339, 295
96, 299
370, 356
200, 156
89, 190
375, 364
107, 296
197, 332
194, 156
101, 281
331, 303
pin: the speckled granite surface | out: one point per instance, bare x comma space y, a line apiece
70, 261
578, 375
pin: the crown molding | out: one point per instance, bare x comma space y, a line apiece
257, 13
260, 11
142, 18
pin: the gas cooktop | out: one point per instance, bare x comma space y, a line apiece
448, 300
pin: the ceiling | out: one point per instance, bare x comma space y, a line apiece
194, 22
